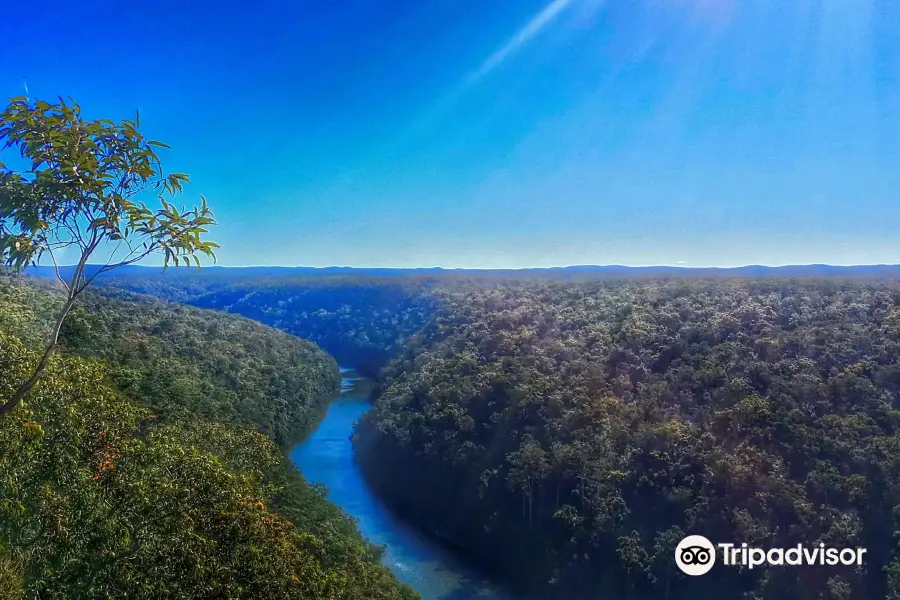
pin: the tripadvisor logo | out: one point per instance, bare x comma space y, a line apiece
696, 555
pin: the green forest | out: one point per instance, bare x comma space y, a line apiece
573, 434
148, 462
361, 321
569, 434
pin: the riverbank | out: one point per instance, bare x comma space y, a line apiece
326, 457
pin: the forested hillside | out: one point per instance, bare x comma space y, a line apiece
360, 321
572, 434
211, 364
138, 467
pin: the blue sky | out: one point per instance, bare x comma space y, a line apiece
500, 133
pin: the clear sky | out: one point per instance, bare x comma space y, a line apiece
501, 133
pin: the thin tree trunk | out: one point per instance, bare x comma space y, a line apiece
23, 389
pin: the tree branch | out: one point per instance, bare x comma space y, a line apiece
108, 267
79, 269
56, 268
26, 387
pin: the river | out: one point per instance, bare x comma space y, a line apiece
326, 457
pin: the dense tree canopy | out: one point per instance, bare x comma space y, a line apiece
572, 434
360, 321
121, 484
211, 364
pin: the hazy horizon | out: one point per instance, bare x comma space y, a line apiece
479, 268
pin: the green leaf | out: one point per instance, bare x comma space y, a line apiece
85, 176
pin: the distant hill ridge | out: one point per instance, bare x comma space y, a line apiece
562, 273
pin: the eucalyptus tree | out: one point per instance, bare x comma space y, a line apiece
79, 194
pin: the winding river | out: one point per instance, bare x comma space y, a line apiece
326, 457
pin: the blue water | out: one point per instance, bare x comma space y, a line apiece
326, 457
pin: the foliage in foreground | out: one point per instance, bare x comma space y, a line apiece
11, 579
79, 189
91, 505
104, 497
